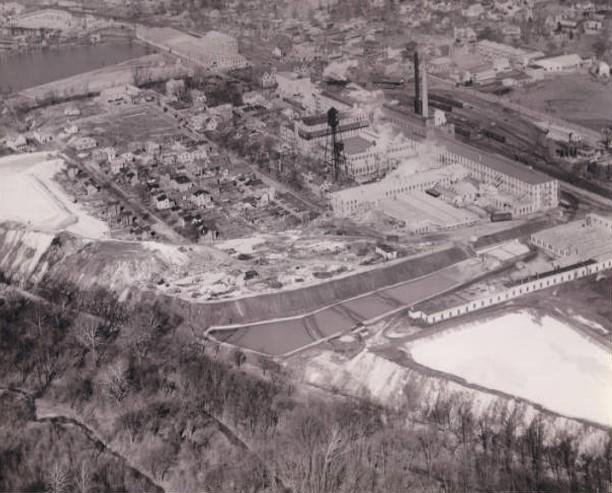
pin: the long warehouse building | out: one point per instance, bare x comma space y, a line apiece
524, 190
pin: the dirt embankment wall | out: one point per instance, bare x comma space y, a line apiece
294, 302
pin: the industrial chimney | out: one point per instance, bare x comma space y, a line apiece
421, 92
425, 92
418, 107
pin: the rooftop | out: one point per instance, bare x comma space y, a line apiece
356, 145
419, 207
498, 163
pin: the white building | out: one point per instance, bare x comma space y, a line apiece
520, 190
603, 69
213, 51
519, 58
562, 63
16, 143
119, 95
51, 19
351, 200
43, 137
83, 143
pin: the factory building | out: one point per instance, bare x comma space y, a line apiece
310, 134
213, 51
524, 190
357, 199
587, 239
422, 213
514, 187
562, 63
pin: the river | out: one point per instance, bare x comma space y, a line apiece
20, 71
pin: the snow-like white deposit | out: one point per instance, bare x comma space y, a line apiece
241, 245
21, 251
171, 254
29, 195
542, 360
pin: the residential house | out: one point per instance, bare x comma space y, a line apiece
72, 111
162, 202
592, 26
116, 164
119, 95
43, 137
83, 143
198, 98
386, 251
111, 152
136, 146
175, 88
99, 156
72, 171
71, 129
201, 198
181, 183
268, 79
128, 157
603, 69
91, 188
169, 159
464, 35
152, 147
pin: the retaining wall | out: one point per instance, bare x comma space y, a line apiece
284, 304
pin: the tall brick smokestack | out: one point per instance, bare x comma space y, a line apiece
425, 92
418, 104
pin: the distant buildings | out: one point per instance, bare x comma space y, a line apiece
518, 58
119, 95
213, 51
562, 63
51, 19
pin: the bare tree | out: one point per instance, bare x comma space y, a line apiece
83, 477
59, 482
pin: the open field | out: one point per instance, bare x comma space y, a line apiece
29, 195
541, 359
576, 97
133, 123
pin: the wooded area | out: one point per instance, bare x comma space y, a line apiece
97, 396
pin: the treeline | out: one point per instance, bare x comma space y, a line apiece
193, 417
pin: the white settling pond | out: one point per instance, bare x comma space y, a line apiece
542, 360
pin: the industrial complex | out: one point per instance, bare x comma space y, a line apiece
306, 246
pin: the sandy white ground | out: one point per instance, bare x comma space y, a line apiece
544, 361
29, 195
241, 245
